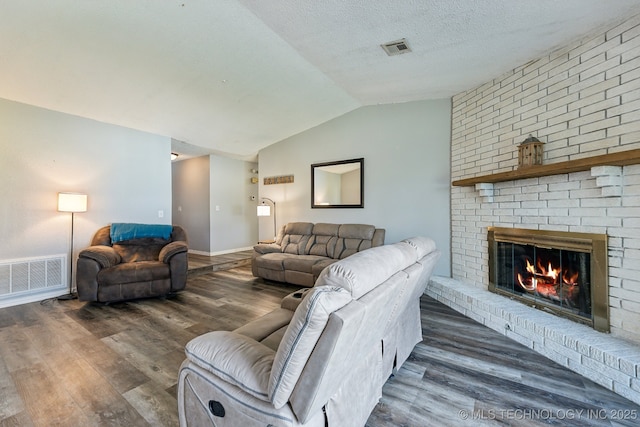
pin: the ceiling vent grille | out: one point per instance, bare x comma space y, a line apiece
397, 47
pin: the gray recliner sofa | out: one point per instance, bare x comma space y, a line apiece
320, 359
303, 249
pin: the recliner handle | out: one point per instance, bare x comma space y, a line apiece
216, 408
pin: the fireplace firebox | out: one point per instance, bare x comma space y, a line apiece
561, 272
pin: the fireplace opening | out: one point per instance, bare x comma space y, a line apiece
563, 273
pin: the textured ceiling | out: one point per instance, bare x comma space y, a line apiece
233, 76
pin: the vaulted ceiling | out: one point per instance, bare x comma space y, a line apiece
234, 76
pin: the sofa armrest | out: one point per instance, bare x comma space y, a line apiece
172, 249
105, 256
234, 358
265, 248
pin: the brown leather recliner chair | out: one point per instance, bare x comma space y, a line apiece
131, 269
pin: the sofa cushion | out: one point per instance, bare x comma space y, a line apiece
298, 228
235, 358
325, 229
323, 240
365, 270
356, 231
299, 278
296, 236
139, 250
274, 339
146, 271
303, 263
322, 246
300, 338
265, 326
353, 238
294, 244
273, 261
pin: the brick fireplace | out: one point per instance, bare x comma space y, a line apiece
582, 101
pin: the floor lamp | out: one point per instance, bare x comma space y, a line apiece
265, 210
71, 202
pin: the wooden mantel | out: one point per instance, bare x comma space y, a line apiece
622, 158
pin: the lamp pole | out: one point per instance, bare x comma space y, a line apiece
275, 229
70, 295
71, 202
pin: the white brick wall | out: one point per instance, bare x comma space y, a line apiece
582, 100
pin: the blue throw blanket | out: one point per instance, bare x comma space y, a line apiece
126, 231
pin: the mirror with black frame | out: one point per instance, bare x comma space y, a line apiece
338, 184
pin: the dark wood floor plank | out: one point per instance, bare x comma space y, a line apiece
21, 419
10, 402
46, 402
121, 374
99, 401
148, 364
99, 320
17, 350
6, 319
158, 408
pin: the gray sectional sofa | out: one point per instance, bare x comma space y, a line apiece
303, 249
320, 359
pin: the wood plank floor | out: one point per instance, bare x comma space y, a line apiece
202, 264
69, 363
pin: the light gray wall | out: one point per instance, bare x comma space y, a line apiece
125, 173
406, 150
234, 222
191, 200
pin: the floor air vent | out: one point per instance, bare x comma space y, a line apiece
32, 275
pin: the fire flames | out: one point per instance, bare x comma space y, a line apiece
548, 282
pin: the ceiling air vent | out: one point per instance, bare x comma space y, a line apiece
397, 47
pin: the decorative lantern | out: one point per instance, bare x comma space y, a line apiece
530, 152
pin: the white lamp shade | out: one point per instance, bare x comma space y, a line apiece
264, 210
72, 202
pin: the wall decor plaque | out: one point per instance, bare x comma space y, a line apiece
284, 179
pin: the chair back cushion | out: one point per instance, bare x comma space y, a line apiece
296, 236
300, 338
365, 270
323, 240
353, 238
147, 249
138, 249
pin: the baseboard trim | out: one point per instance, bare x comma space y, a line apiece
224, 252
